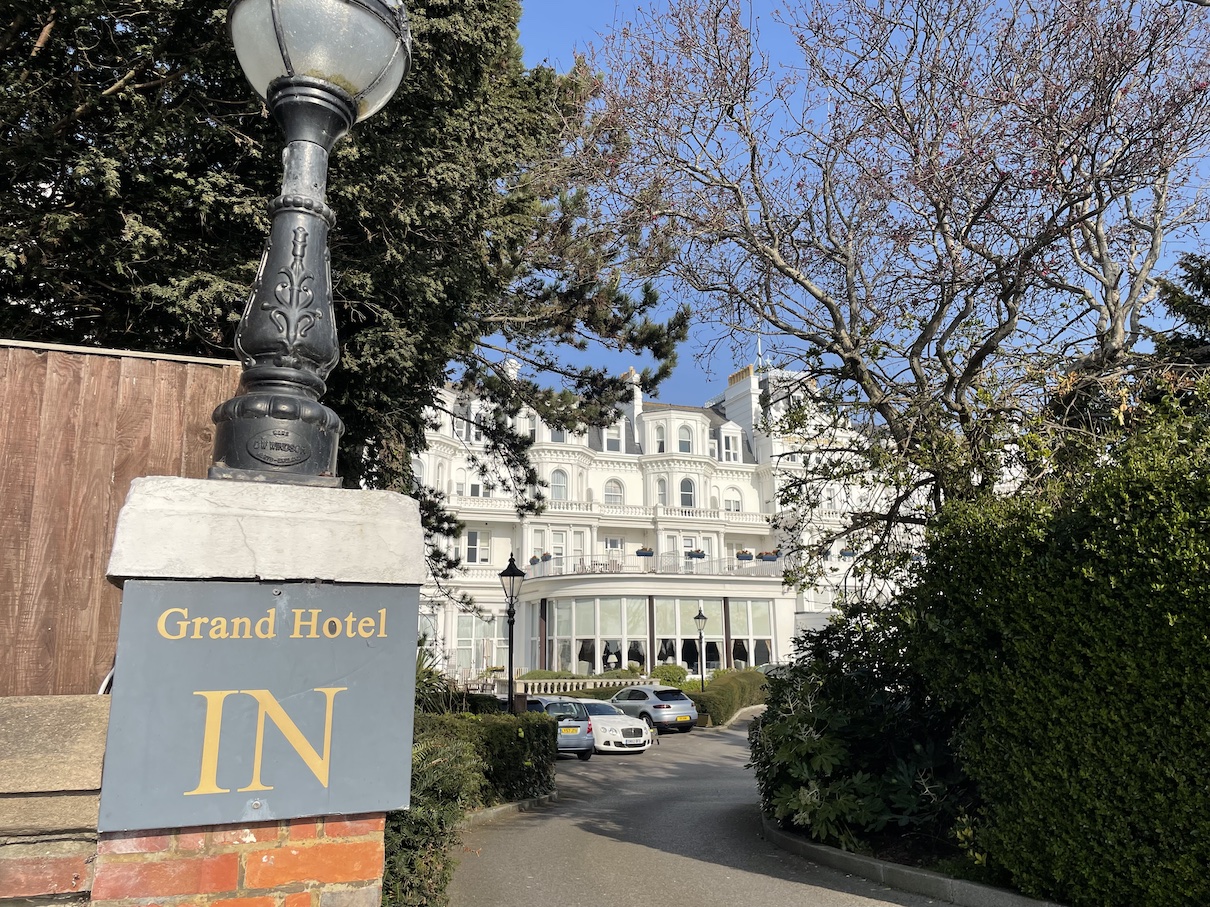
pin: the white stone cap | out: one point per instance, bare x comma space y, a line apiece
173, 528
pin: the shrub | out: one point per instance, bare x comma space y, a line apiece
673, 675
851, 742
459, 762
1070, 629
595, 693
623, 674
447, 780
727, 693
538, 674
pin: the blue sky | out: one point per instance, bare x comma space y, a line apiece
551, 32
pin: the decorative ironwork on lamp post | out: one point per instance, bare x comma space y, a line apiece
321, 66
511, 578
700, 620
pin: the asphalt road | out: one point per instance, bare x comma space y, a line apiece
677, 826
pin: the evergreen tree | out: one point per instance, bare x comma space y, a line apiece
137, 164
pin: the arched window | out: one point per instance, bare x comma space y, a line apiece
688, 493
613, 492
732, 501
684, 439
660, 446
661, 492
558, 485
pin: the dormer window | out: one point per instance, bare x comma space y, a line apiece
558, 436
613, 438
730, 449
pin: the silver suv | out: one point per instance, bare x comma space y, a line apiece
575, 725
660, 706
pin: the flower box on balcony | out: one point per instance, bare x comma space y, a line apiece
645, 552
533, 560
546, 556
695, 554
768, 555
743, 555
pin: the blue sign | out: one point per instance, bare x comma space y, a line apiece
237, 702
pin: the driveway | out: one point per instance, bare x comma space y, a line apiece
677, 826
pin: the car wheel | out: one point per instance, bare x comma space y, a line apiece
650, 723
584, 756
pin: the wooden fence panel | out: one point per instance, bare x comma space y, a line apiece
76, 426
24, 380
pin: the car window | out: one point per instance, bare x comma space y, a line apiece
669, 695
566, 710
602, 708
638, 695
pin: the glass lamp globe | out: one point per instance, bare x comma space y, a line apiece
362, 47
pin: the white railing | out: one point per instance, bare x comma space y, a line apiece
676, 564
640, 511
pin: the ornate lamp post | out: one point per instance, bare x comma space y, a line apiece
511, 578
321, 66
700, 620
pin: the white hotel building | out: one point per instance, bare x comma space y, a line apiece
646, 521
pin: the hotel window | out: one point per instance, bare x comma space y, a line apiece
731, 501
688, 493
558, 485
613, 492
661, 492
660, 446
684, 439
539, 546
558, 435
730, 449
478, 547
613, 438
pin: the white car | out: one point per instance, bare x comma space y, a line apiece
614, 731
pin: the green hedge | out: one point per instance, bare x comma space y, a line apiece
518, 751
1071, 631
727, 693
459, 763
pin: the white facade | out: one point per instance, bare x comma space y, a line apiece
694, 486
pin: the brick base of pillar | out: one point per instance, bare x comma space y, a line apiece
319, 862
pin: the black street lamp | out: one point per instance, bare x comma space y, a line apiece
321, 66
511, 578
700, 620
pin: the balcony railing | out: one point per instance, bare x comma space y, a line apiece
626, 511
631, 564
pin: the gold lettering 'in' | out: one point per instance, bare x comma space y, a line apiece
267, 707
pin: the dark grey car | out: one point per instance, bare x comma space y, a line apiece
661, 707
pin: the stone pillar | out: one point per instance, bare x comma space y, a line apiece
232, 753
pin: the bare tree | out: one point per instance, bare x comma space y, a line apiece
936, 209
